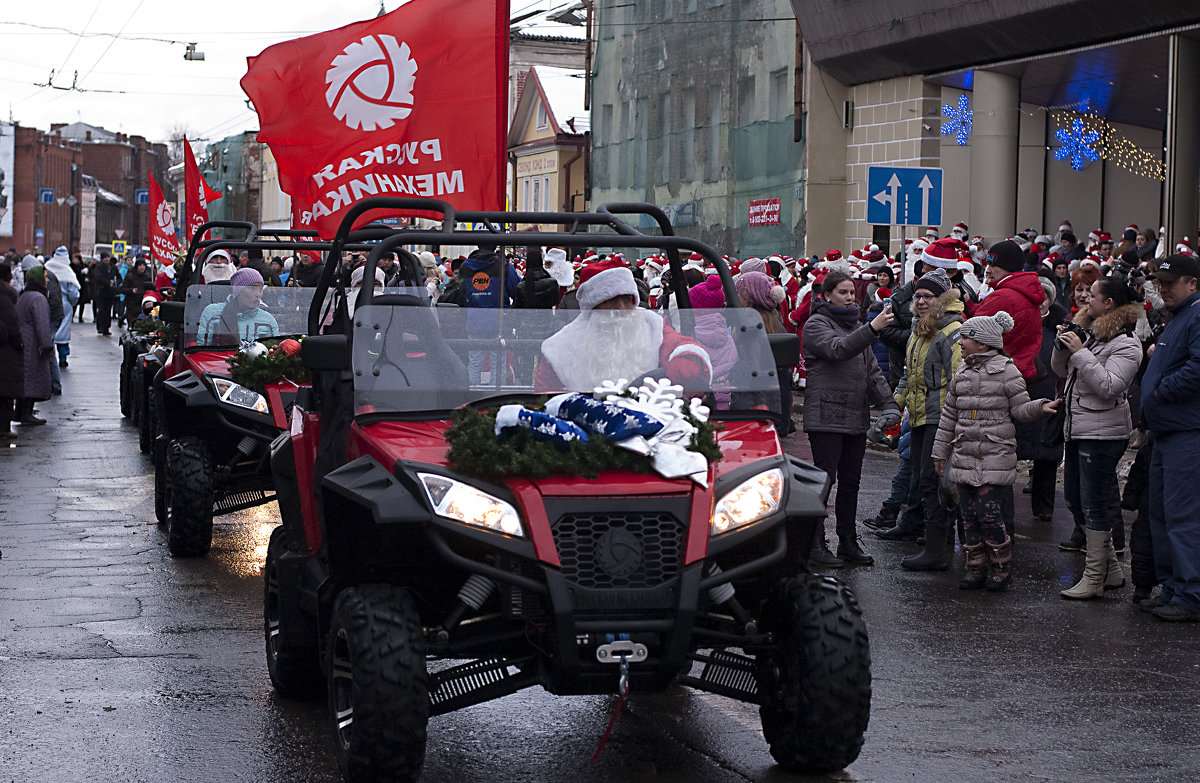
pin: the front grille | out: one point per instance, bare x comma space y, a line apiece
626, 549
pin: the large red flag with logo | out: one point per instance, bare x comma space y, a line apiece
198, 193
163, 242
413, 103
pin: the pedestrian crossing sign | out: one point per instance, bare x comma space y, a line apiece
120, 247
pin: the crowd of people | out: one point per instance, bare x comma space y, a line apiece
965, 357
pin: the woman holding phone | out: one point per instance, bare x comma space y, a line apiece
844, 381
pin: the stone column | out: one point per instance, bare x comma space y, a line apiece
1180, 210
996, 123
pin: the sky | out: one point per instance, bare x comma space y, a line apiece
128, 57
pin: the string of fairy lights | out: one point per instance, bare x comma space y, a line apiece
1109, 143
1082, 138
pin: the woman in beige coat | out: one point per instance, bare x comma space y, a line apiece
976, 434
1097, 426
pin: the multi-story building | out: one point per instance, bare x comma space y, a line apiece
547, 143
233, 167
44, 200
1036, 112
122, 165
693, 109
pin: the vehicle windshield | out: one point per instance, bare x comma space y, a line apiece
411, 359
224, 316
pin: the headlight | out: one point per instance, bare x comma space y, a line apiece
236, 394
750, 501
463, 503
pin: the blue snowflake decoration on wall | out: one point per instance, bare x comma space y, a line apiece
1077, 144
958, 121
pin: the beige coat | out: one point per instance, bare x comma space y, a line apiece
1099, 376
982, 399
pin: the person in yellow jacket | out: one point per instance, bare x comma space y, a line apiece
930, 359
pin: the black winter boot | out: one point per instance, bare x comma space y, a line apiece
886, 517
820, 556
1078, 541
935, 556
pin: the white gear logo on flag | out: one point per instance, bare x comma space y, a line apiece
371, 83
164, 216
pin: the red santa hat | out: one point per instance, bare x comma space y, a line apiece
961, 227
943, 253
856, 253
833, 255
1066, 226
1103, 236
151, 296
1185, 246
1090, 261
1094, 234
603, 280
1132, 227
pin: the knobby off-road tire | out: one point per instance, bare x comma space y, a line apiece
146, 418
189, 512
378, 685
162, 489
295, 672
126, 407
817, 687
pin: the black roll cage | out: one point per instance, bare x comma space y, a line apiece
620, 234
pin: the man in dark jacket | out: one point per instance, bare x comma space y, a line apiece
1171, 411
105, 283
490, 283
12, 358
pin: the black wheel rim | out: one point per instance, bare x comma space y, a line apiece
342, 684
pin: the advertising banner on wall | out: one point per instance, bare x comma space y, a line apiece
8, 139
765, 211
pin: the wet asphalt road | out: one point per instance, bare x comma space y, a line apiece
119, 663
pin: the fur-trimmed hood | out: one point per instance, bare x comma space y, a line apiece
947, 308
1112, 323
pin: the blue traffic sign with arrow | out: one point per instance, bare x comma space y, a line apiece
904, 196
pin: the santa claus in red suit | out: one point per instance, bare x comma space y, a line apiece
612, 338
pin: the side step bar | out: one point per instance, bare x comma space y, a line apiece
726, 673
475, 682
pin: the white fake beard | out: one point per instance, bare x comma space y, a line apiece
959, 235
618, 347
214, 272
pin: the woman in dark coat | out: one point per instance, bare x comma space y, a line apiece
33, 313
137, 280
12, 368
844, 381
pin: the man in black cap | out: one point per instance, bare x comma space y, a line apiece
1171, 411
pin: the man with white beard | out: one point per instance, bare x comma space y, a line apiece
612, 339
217, 266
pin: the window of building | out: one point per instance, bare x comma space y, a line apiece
606, 124
643, 139
548, 202
664, 130
688, 125
781, 98
525, 203
746, 115
543, 120
713, 169
537, 194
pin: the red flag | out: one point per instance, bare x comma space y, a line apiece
301, 212
391, 106
198, 193
163, 242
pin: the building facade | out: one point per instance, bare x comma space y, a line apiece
1048, 111
694, 110
45, 202
548, 143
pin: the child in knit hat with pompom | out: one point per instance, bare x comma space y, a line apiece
976, 434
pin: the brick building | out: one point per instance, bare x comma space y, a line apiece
121, 165
45, 198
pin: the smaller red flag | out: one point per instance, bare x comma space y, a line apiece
163, 242
198, 192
